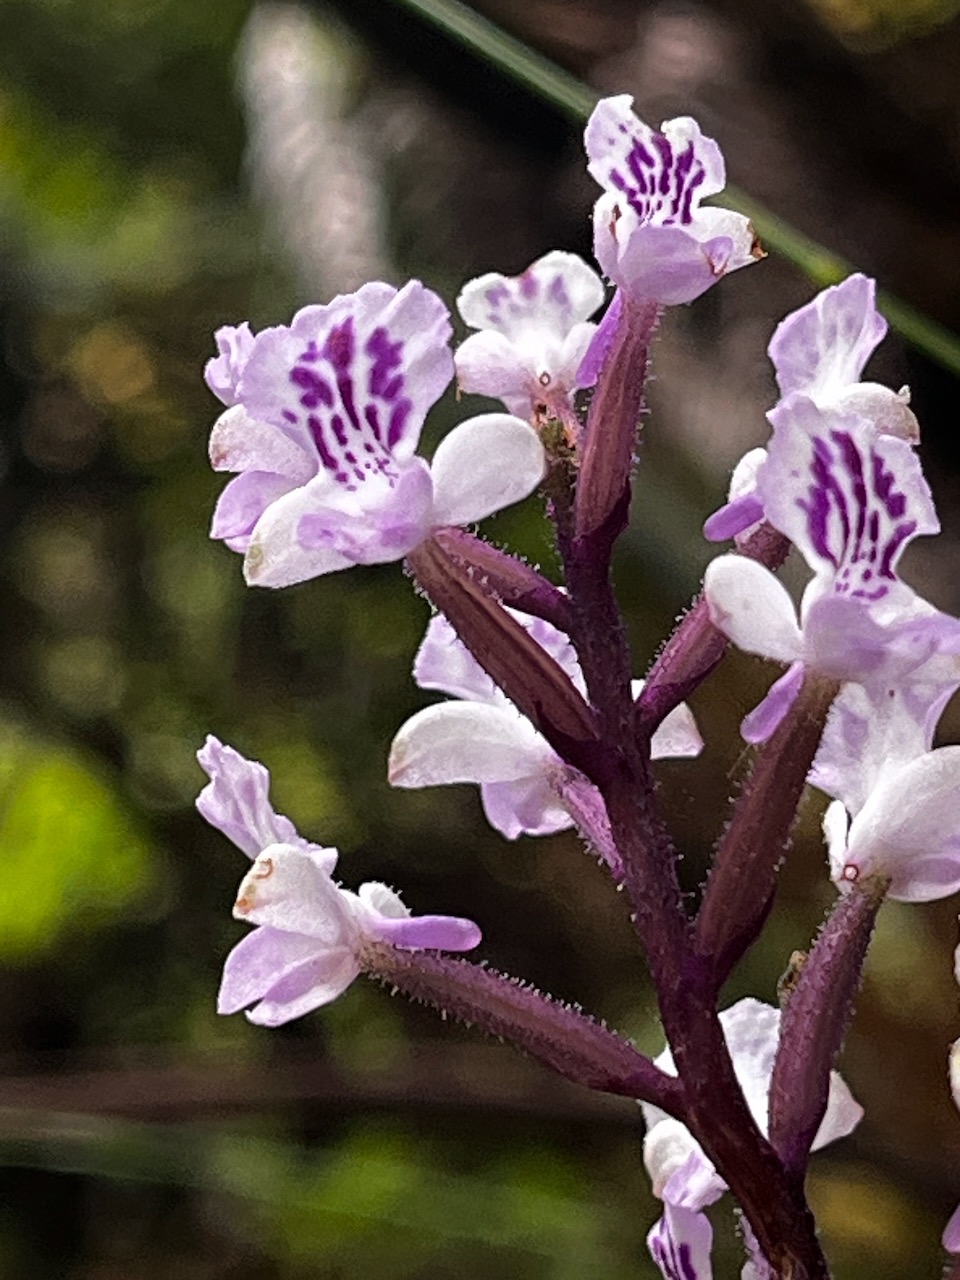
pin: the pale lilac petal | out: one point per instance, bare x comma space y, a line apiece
444, 662
744, 509
733, 518
261, 960
600, 343
483, 465
909, 829
572, 355
752, 608
525, 807
430, 933
381, 522
222, 373
842, 1115
677, 735
241, 443
314, 984
275, 556
288, 890
756, 1266
822, 347
467, 742
629, 159
681, 1243
951, 1233
764, 720
489, 364
244, 500
236, 801
555, 293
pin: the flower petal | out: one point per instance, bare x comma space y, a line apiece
313, 984
275, 556
466, 742
764, 720
677, 736
483, 465
288, 889
909, 829
821, 348
525, 807
681, 1244
241, 443
752, 608
244, 501
259, 961
236, 801
380, 522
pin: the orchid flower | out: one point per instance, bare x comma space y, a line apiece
682, 1175
524, 785
322, 422
534, 331
894, 812
652, 237
313, 938
851, 501
819, 351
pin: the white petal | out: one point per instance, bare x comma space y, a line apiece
275, 557
466, 742
909, 828
239, 442
836, 825
678, 735
486, 463
751, 607
287, 889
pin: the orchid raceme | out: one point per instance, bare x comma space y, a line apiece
850, 501
525, 787
652, 237
533, 332
324, 416
819, 351
682, 1175
313, 937
321, 424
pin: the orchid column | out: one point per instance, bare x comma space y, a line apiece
322, 420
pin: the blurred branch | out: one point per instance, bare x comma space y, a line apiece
430, 1078
574, 99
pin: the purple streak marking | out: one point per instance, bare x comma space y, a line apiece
398, 422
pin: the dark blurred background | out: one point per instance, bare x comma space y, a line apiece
167, 167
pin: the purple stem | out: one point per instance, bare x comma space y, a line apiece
696, 646
815, 1020
563, 1039
743, 879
